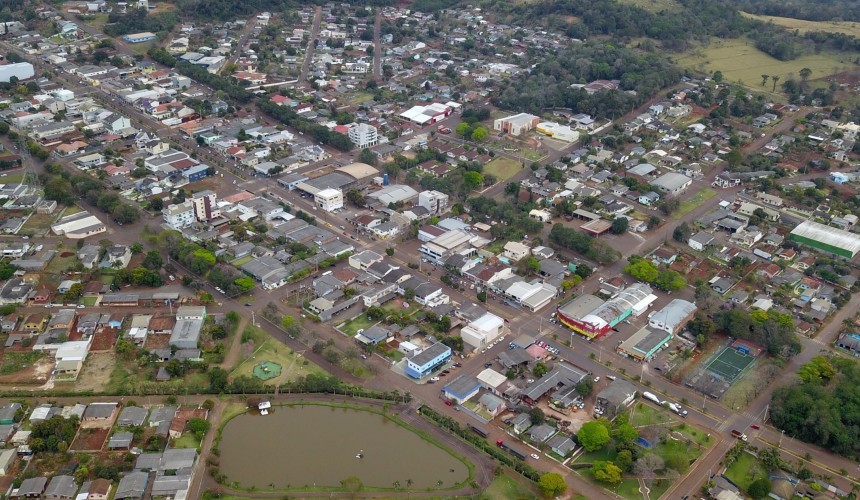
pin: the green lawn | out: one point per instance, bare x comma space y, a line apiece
187, 440
505, 487
646, 414
596, 456
691, 203
12, 177
17, 361
654, 6
244, 260
496, 247
502, 168
89, 301
359, 323
745, 470
701, 438
37, 224
292, 364
59, 265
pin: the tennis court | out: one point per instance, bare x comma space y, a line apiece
729, 364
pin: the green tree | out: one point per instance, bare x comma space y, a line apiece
626, 433
818, 370
199, 426
367, 156
552, 484
670, 281
760, 488
593, 435
606, 472
619, 225
585, 386
540, 369
479, 134
389, 251
153, 260
136, 248
642, 270
464, 130
74, 293
288, 321
472, 180
244, 283
624, 460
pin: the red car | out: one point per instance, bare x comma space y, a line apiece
756, 426
448, 403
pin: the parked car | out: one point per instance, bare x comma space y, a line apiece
535, 456
434, 379
448, 403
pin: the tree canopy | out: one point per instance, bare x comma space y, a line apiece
593, 435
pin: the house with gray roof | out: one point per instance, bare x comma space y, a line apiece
31, 488
61, 488
615, 397
561, 444
541, 433
132, 486
120, 441
132, 416
563, 375
521, 423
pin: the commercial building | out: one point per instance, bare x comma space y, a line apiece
558, 132
364, 135
462, 388
21, 71
593, 317
445, 245
434, 201
329, 199
428, 115
826, 238
643, 344
139, 37
427, 360
532, 296
186, 333
482, 331
562, 379
79, 225
673, 317
205, 208
516, 124
395, 193
672, 183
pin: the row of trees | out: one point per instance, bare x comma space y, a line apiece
292, 119
65, 188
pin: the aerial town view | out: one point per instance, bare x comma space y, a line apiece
429, 248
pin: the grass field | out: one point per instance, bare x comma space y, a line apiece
691, 203
17, 361
746, 470
59, 264
646, 414
293, 365
242, 261
803, 26
187, 440
37, 224
740, 61
502, 168
12, 177
360, 97
505, 487
654, 5
359, 323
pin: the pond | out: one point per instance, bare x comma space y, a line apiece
319, 446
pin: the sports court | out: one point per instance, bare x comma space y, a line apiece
729, 363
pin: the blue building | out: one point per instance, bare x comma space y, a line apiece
197, 172
427, 360
462, 388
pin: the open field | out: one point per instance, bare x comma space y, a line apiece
691, 203
654, 5
502, 168
505, 487
187, 440
803, 26
360, 322
96, 372
37, 224
16, 361
90, 439
293, 365
12, 177
741, 62
60, 264
746, 470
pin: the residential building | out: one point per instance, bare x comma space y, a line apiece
363, 135
61, 487
434, 201
700, 241
672, 183
440, 248
615, 397
462, 388
205, 207
179, 215
514, 250
482, 331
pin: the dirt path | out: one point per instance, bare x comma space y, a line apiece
232, 356
200, 472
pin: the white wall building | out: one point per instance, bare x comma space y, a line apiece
364, 135
434, 201
483, 330
179, 215
329, 199
21, 71
205, 208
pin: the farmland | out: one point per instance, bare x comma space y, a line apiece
803, 26
741, 62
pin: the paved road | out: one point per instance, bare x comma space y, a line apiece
377, 44
309, 51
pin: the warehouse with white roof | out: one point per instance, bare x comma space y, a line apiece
826, 238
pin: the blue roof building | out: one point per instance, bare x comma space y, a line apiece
462, 388
428, 360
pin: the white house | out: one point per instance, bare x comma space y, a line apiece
514, 250
483, 330
329, 199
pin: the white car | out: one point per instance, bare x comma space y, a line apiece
535, 456
81, 306
434, 379
596, 379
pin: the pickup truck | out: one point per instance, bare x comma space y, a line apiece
738, 434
